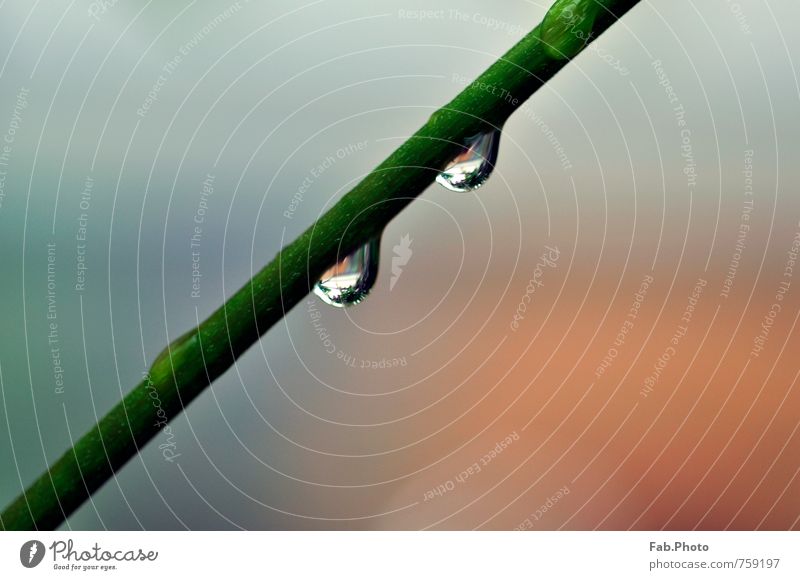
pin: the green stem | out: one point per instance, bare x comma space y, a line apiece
192, 362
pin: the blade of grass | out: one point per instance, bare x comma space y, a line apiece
190, 363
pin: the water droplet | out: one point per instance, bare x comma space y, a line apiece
472, 168
349, 281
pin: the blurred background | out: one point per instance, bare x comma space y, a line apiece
602, 337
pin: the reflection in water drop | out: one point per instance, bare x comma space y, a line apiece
349, 281
473, 167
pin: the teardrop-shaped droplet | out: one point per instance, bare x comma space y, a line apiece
349, 281
474, 165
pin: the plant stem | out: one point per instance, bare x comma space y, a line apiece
190, 363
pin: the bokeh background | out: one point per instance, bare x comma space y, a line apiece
649, 381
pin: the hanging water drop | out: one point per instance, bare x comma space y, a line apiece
474, 165
350, 280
